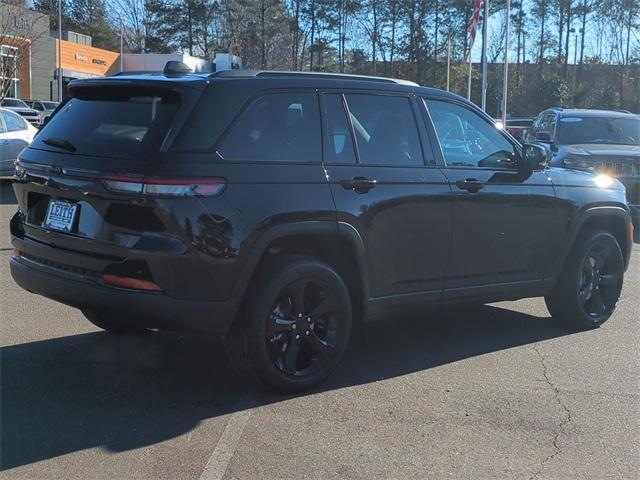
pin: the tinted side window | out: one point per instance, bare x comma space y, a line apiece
339, 147
279, 127
385, 130
467, 140
13, 122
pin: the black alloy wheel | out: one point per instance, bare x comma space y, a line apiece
588, 288
295, 326
302, 330
598, 281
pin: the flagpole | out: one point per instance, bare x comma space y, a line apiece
469, 78
505, 79
448, 62
485, 73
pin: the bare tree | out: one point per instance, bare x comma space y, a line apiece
20, 35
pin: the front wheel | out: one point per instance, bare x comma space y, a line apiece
295, 327
588, 289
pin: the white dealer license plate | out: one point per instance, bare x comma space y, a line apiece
60, 216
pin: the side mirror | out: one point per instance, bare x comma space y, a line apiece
544, 137
534, 157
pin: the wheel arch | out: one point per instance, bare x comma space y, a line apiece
337, 244
613, 219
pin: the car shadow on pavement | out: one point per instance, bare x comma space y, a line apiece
95, 390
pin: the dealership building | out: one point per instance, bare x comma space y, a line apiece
29, 63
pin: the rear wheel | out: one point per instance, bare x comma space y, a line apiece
588, 289
111, 323
295, 327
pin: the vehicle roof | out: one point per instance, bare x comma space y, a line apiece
272, 78
587, 112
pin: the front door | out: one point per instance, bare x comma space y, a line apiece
503, 219
386, 185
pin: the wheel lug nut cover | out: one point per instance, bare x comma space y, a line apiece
307, 332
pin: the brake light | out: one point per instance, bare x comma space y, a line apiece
129, 282
159, 186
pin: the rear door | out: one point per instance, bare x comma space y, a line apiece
503, 218
386, 185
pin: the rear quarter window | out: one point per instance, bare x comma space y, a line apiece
276, 127
113, 122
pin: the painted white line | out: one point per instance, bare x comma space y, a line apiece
219, 460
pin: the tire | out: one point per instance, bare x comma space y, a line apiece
111, 324
589, 286
294, 326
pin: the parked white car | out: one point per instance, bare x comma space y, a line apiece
15, 134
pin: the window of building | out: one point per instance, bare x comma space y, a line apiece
9, 68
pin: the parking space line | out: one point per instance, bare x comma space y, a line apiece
228, 442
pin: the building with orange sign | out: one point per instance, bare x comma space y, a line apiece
30, 67
81, 60
29, 64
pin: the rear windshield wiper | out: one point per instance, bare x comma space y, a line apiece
60, 143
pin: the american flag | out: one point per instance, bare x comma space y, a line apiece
473, 24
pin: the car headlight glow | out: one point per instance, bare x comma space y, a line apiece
603, 181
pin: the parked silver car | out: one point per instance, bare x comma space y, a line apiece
21, 108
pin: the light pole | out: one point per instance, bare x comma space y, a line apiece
59, 50
505, 78
448, 62
121, 43
485, 74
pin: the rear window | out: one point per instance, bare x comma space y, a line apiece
113, 122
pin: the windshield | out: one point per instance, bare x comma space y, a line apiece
50, 105
615, 131
112, 122
14, 102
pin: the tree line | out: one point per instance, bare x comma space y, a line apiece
555, 43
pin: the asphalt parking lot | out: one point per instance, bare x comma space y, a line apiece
500, 391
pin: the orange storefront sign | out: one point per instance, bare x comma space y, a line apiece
85, 59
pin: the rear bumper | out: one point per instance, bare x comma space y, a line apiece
152, 310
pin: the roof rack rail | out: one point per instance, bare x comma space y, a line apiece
318, 75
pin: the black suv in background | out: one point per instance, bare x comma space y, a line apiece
602, 141
278, 208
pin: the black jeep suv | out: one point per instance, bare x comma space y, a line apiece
594, 140
277, 209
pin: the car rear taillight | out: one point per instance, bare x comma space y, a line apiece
165, 187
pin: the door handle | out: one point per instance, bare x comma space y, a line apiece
358, 184
470, 184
